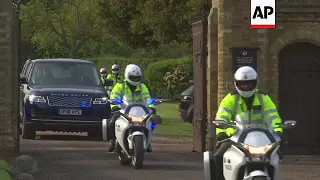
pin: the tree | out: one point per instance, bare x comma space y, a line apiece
150, 23
61, 27
118, 16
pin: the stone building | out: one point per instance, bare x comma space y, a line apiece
9, 88
287, 59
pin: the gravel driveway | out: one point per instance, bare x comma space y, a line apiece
77, 158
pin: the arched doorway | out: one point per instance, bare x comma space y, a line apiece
299, 96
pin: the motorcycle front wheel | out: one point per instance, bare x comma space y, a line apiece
138, 152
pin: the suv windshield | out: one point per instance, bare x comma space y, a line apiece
65, 73
188, 92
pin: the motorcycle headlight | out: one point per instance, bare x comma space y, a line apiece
102, 100
258, 150
138, 121
34, 98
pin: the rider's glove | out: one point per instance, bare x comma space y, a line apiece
222, 136
116, 108
154, 111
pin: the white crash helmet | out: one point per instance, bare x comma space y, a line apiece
115, 68
246, 81
103, 72
133, 74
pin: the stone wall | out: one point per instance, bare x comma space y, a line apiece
229, 26
234, 31
8, 83
295, 23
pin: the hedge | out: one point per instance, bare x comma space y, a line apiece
156, 70
108, 61
153, 69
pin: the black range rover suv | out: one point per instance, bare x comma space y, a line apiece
64, 95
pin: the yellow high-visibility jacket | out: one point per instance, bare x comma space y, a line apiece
115, 79
121, 89
233, 104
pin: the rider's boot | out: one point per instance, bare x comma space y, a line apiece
149, 149
112, 145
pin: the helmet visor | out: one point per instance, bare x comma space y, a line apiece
115, 69
246, 85
103, 72
135, 78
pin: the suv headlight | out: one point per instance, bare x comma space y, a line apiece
34, 98
102, 100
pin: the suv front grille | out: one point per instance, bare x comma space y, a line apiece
69, 101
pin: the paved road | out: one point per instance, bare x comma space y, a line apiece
77, 158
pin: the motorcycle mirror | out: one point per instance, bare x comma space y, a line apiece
221, 124
113, 101
156, 102
289, 124
156, 119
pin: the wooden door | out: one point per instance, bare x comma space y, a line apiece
299, 96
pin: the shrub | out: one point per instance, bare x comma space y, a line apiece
108, 61
155, 72
178, 79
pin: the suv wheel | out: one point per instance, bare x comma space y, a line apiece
28, 132
190, 116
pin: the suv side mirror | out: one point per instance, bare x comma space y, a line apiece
289, 124
23, 80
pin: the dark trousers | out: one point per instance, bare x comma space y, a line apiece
112, 125
218, 159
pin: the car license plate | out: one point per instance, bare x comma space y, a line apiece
74, 112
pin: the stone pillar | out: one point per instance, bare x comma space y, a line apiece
212, 73
225, 41
8, 83
234, 31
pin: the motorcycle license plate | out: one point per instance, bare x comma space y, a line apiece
137, 124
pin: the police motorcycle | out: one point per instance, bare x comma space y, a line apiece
107, 84
253, 154
133, 130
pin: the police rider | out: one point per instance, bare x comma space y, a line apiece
115, 76
246, 98
103, 73
134, 90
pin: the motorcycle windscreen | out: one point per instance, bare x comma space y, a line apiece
257, 139
254, 138
137, 111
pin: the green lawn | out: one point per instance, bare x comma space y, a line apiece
172, 125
